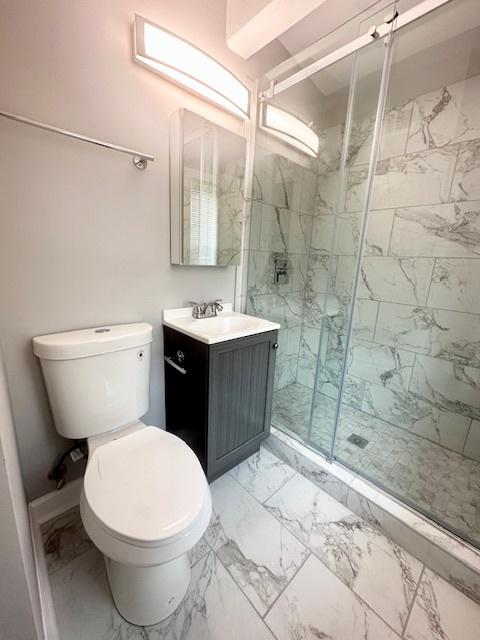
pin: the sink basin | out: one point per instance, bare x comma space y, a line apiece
228, 325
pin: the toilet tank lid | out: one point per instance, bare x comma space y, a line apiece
91, 342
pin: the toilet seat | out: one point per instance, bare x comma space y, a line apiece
145, 489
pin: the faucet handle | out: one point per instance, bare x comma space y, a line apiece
197, 308
217, 304
214, 307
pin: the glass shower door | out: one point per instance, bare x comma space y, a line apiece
410, 412
296, 237
337, 233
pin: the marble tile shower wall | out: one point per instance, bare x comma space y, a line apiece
415, 356
281, 223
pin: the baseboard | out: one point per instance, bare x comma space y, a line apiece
42, 510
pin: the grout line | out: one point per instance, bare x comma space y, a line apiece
276, 490
394, 219
466, 440
410, 121
435, 263
352, 212
295, 473
413, 601
448, 147
307, 557
250, 603
454, 171
375, 326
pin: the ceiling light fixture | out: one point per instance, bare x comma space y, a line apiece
290, 129
189, 67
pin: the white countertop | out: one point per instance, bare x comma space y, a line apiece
227, 325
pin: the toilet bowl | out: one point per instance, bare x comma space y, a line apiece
145, 503
145, 500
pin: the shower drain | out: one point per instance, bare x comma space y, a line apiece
357, 440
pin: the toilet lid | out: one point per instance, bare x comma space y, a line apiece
146, 486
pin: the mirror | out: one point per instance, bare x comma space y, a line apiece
207, 167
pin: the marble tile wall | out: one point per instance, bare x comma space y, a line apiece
414, 360
280, 226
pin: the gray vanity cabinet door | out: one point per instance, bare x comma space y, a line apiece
240, 398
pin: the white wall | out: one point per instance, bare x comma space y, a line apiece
84, 237
19, 604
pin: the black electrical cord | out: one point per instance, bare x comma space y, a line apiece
59, 470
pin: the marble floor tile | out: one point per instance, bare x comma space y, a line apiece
316, 604
350, 547
259, 553
440, 612
262, 474
214, 609
83, 604
64, 538
255, 558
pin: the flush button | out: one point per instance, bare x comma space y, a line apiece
102, 330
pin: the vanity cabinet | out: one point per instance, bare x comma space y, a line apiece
219, 396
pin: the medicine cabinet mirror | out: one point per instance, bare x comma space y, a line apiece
207, 167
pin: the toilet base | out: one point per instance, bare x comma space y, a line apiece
147, 595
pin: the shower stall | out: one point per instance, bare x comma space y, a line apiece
367, 252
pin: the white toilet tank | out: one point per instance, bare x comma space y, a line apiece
97, 379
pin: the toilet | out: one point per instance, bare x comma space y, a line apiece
145, 500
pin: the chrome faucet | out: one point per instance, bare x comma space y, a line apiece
206, 309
